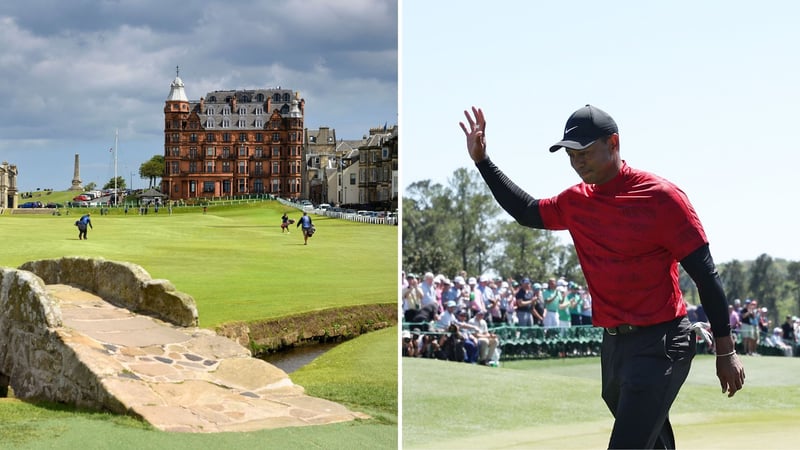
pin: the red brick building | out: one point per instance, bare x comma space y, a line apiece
232, 143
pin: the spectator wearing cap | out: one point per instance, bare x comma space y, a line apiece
412, 297
475, 297
487, 295
538, 305
487, 342
575, 304
564, 313
507, 306
764, 324
586, 309
552, 299
428, 289
470, 341
749, 330
449, 291
448, 317
524, 301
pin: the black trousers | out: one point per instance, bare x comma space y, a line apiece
642, 373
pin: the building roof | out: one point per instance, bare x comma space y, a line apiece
176, 92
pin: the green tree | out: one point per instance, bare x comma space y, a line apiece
120, 183
734, 279
474, 211
152, 170
524, 251
427, 221
90, 186
766, 283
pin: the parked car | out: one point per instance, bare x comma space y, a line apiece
53, 205
31, 205
324, 206
81, 198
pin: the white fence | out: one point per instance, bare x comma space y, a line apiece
354, 217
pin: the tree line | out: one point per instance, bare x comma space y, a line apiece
459, 226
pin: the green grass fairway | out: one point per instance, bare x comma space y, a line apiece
556, 404
234, 260
238, 266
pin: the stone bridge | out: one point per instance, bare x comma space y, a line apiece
105, 335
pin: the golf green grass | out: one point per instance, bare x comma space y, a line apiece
556, 404
234, 260
238, 266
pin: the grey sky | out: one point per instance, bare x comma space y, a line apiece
74, 72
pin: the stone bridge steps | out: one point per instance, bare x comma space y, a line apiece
182, 379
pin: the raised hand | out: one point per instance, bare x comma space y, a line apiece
476, 134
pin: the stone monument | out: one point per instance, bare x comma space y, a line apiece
76, 177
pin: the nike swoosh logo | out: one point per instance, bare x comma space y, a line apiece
570, 129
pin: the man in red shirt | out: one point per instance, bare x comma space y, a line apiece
630, 229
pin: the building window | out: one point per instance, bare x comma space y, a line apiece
276, 137
242, 110
276, 168
175, 137
276, 151
276, 97
226, 186
209, 166
242, 123
175, 151
259, 137
242, 167
193, 167
286, 97
174, 168
374, 156
209, 137
193, 152
210, 110
285, 109
259, 152
192, 186
210, 151
385, 153
226, 152
276, 186
226, 137
259, 123
258, 186
259, 110
242, 185
259, 168
242, 137
260, 97
209, 123
208, 187
226, 166
242, 151
352, 178
226, 123
193, 137
226, 111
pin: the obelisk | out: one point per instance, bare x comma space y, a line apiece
76, 177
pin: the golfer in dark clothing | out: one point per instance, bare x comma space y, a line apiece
308, 227
630, 229
82, 224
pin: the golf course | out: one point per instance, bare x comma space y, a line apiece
556, 404
238, 265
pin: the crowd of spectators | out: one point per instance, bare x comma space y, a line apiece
752, 324
453, 319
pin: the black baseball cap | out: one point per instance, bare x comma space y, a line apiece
585, 126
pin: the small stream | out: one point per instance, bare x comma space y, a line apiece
297, 357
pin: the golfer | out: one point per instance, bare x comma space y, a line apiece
630, 229
82, 223
308, 227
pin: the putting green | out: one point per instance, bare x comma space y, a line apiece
556, 404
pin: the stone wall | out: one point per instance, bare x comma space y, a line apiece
33, 358
122, 284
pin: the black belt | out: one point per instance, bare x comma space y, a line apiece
622, 329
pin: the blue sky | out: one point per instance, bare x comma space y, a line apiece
74, 72
705, 94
